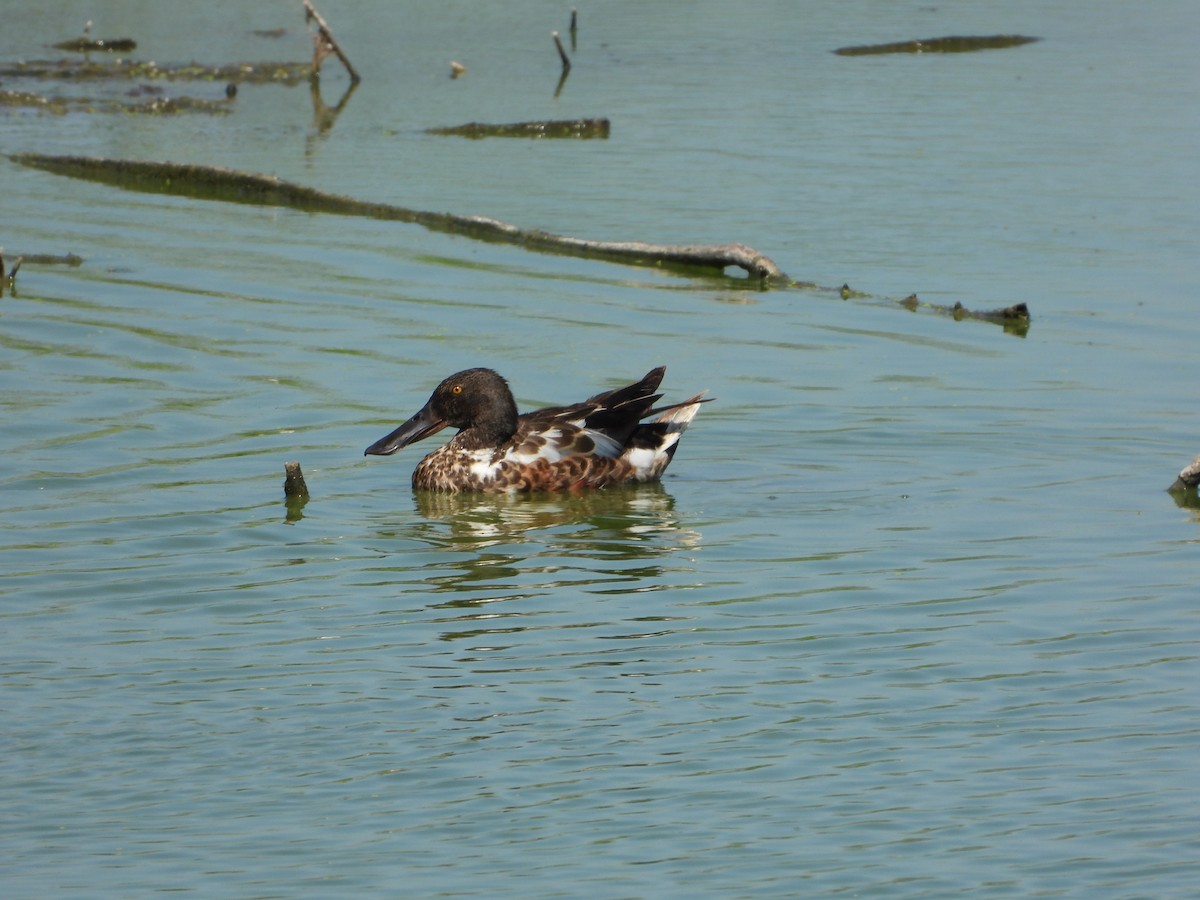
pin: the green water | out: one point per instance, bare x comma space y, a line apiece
911, 615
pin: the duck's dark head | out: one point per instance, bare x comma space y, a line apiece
476, 401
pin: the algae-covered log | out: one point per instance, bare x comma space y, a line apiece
551, 128
951, 44
216, 183
100, 45
287, 73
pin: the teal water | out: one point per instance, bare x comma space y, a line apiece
911, 616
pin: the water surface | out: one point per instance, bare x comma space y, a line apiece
911, 615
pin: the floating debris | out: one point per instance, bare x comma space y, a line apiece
952, 44
160, 105
554, 128
32, 101
288, 73
99, 45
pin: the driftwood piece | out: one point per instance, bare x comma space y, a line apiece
550, 128
951, 44
230, 185
1189, 477
324, 41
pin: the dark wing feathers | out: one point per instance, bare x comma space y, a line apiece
615, 413
618, 412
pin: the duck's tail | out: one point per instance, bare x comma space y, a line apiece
653, 444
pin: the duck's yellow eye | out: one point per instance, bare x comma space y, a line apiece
457, 389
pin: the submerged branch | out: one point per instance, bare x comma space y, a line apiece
230, 185
1015, 319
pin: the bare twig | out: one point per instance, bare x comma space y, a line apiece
562, 54
325, 42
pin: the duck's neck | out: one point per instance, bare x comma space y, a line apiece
491, 428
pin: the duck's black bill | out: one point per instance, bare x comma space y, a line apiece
422, 425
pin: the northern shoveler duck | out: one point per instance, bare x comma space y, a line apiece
599, 442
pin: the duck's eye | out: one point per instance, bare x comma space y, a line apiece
457, 389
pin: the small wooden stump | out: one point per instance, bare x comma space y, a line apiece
294, 486
1189, 477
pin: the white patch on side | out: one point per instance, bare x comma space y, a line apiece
482, 465
649, 462
643, 460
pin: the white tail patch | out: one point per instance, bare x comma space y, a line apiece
649, 462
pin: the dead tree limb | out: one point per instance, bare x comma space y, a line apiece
562, 54
324, 38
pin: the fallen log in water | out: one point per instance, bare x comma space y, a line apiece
233, 186
551, 128
217, 183
951, 44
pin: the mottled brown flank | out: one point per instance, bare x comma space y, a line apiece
448, 472
531, 445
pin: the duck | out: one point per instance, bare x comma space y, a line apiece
600, 442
